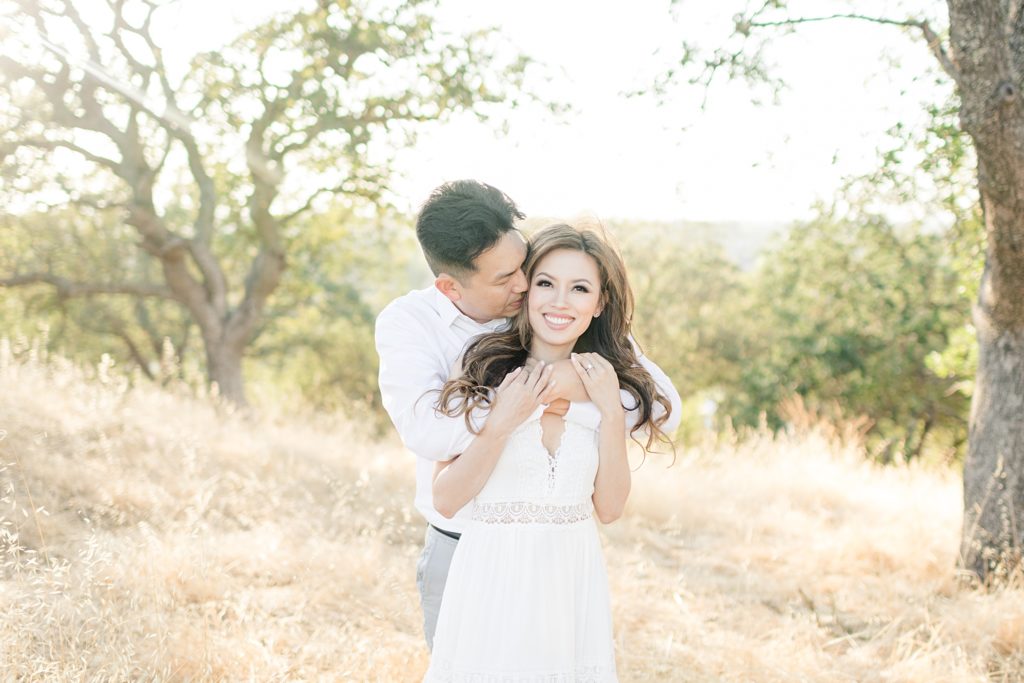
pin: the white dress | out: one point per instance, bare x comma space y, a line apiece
526, 598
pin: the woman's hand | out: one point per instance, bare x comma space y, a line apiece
518, 396
601, 382
457, 481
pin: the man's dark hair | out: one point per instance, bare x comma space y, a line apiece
461, 220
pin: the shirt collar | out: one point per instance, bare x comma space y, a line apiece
450, 314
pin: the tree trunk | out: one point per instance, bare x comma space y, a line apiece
993, 485
987, 41
224, 367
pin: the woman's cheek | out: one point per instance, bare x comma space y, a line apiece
588, 305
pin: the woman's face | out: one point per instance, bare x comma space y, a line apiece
564, 296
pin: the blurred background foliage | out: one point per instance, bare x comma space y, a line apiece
854, 315
859, 318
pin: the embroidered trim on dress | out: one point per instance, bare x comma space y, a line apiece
531, 513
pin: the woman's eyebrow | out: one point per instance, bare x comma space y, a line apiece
552, 277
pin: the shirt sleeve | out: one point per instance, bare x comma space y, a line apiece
412, 372
667, 390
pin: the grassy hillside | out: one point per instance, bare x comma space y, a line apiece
149, 536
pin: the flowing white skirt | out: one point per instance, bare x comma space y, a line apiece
525, 603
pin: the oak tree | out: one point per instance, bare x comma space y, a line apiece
212, 168
980, 49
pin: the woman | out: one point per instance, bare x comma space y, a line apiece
527, 593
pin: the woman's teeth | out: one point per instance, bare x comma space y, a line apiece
557, 320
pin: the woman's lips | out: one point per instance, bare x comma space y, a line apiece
558, 322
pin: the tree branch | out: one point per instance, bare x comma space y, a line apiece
176, 124
68, 288
266, 269
933, 40
89, 201
120, 23
831, 17
287, 218
83, 30
136, 354
278, 150
107, 323
171, 249
38, 143
158, 239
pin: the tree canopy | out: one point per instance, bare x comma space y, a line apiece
209, 172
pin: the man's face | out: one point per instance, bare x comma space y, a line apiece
496, 289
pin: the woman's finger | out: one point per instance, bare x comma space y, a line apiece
590, 365
579, 364
547, 396
509, 378
529, 375
539, 391
542, 380
599, 363
535, 374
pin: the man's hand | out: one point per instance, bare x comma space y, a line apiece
601, 382
518, 396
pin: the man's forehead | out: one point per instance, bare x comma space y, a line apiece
514, 238
505, 257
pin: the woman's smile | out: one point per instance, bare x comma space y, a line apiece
558, 322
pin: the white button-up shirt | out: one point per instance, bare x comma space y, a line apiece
419, 337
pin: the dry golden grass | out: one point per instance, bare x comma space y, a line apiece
151, 536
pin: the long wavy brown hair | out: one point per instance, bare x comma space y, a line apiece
492, 356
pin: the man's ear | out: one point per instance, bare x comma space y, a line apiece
448, 286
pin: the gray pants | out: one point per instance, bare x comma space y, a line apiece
431, 575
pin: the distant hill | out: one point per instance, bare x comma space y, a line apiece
741, 241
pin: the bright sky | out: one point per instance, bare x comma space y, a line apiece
629, 158
622, 157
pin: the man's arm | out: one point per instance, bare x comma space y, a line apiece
666, 388
412, 373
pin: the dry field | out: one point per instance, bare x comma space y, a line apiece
148, 536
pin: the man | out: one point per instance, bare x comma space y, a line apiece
467, 232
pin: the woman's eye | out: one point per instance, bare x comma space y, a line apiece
581, 288
543, 283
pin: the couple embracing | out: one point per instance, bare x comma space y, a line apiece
515, 381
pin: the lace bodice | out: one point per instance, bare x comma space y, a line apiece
529, 483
